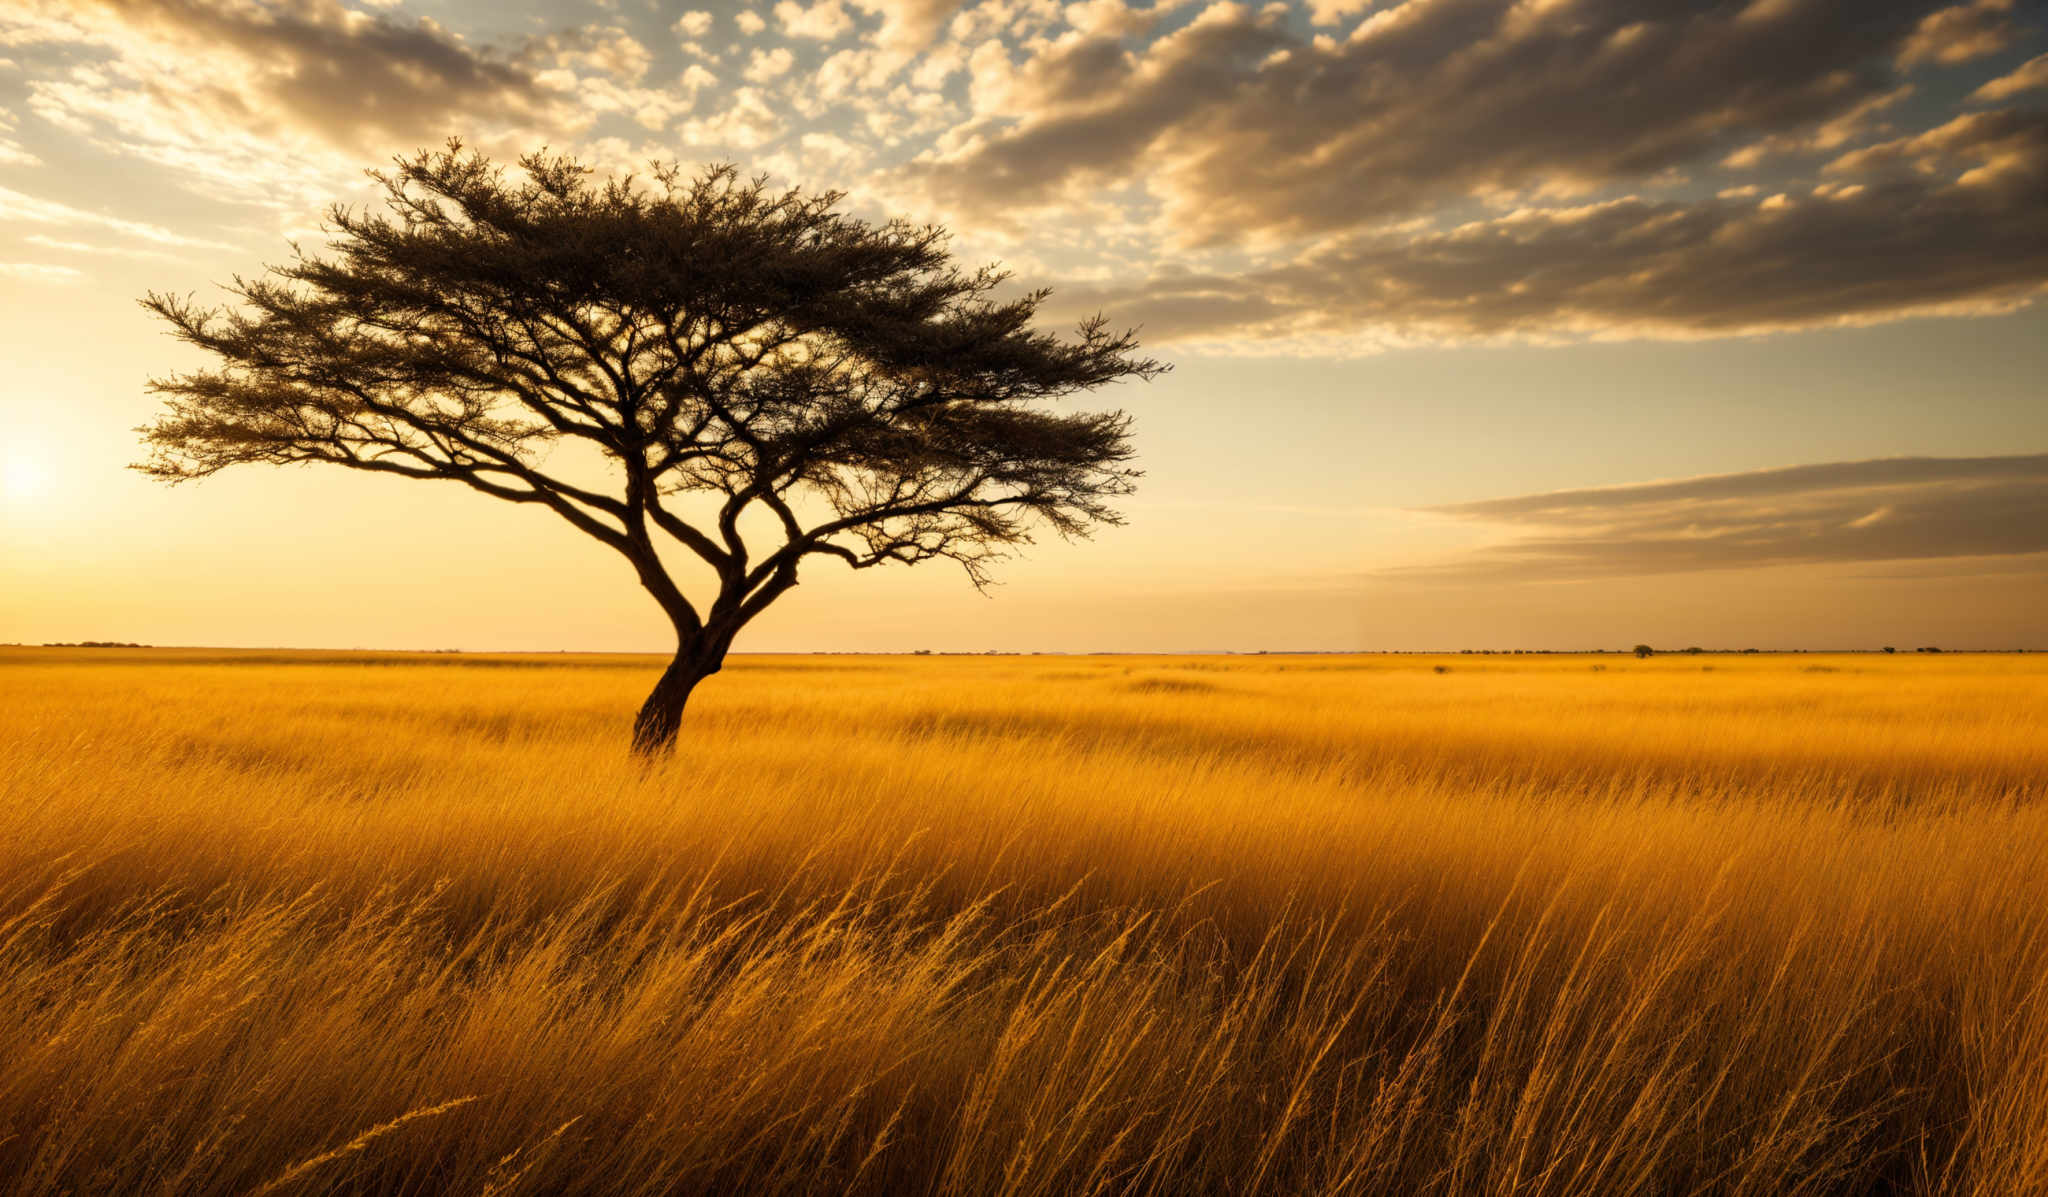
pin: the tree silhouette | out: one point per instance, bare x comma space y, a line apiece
742, 361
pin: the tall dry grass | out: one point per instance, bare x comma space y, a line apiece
360, 923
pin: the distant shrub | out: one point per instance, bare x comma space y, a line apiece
94, 644
1888, 648
1171, 685
1644, 650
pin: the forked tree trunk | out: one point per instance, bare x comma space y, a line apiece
654, 729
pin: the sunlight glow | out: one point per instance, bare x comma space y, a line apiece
24, 476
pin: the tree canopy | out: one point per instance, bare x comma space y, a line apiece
738, 356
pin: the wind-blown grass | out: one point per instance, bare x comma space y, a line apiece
1039, 925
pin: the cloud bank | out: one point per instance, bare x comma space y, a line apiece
1243, 125
1953, 220
1318, 176
1891, 509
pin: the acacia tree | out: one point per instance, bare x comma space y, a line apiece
735, 357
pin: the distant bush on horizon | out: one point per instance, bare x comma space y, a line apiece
94, 644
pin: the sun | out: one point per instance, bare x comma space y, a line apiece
24, 478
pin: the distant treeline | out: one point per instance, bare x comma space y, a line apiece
94, 644
1644, 650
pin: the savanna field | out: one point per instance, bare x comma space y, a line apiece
362, 923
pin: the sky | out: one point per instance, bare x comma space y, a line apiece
1537, 324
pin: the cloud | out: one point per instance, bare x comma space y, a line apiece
747, 121
124, 252
12, 152
349, 77
769, 64
1246, 130
1946, 221
908, 25
823, 21
1329, 178
2033, 76
1891, 509
1827, 136
276, 101
695, 79
19, 208
39, 272
2009, 144
1959, 34
1095, 18
607, 50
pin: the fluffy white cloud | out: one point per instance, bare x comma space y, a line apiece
695, 79
765, 65
826, 20
607, 50
746, 122
909, 25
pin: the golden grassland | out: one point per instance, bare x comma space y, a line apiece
1025, 925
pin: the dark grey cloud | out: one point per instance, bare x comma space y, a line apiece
1955, 218
1244, 128
1892, 509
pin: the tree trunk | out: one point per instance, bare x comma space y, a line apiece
654, 729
